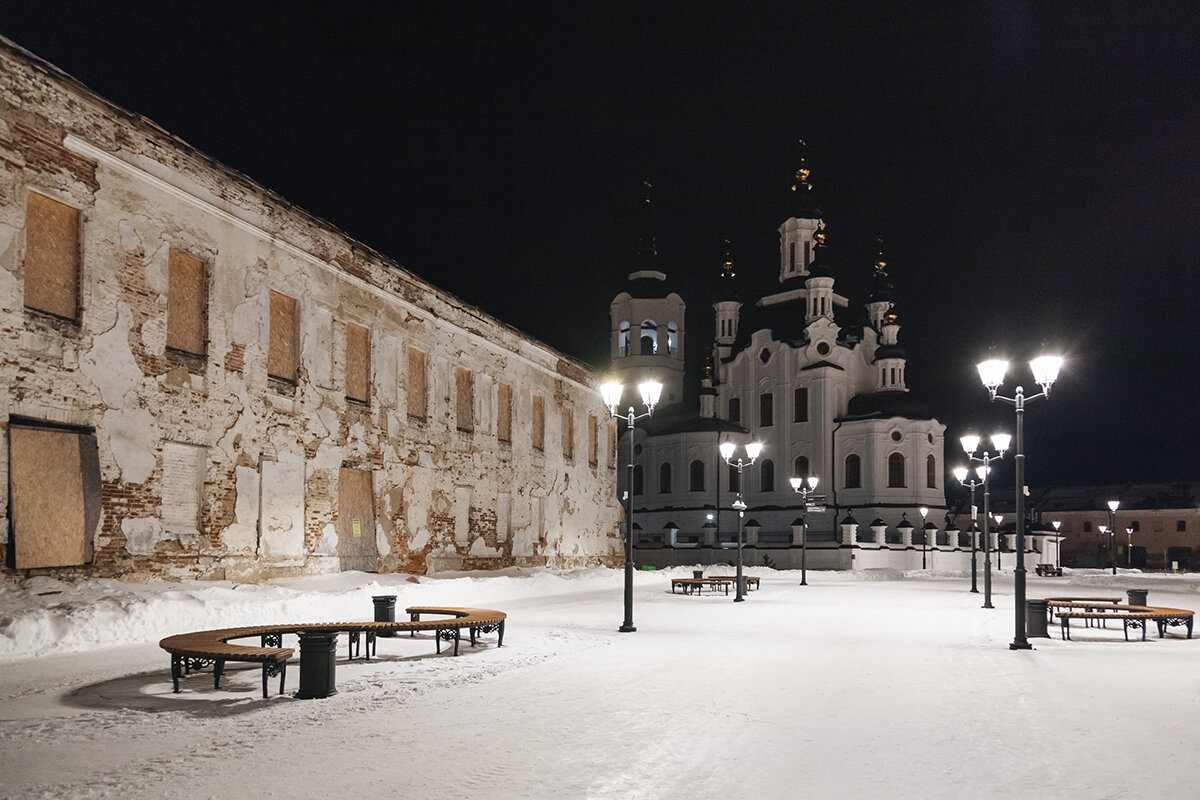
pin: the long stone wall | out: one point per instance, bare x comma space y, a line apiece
209, 466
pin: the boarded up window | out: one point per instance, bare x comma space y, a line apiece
416, 384
281, 352
54, 483
186, 302
538, 425
464, 387
184, 466
358, 363
51, 256
504, 413
612, 445
593, 440
568, 433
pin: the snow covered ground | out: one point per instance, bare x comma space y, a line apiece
869, 684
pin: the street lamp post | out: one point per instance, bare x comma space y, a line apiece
1045, 372
804, 486
961, 473
650, 391
1129, 547
970, 444
924, 533
1058, 539
1113, 505
727, 450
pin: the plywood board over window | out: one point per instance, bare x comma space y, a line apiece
281, 351
504, 413
186, 303
464, 386
417, 391
51, 256
568, 433
54, 483
358, 363
593, 440
538, 423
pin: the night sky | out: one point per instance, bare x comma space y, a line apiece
1032, 173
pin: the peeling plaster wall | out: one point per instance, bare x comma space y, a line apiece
272, 453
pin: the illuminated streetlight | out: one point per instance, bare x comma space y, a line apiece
611, 392
1113, 505
752, 451
970, 444
804, 487
1045, 372
961, 474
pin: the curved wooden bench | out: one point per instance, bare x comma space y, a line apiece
200, 649
1132, 617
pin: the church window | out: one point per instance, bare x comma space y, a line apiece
568, 433
623, 339
672, 339
764, 355
696, 476
896, 471
823, 348
766, 474
800, 401
664, 478
897, 436
807, 254
1181, 525
637, 478
800, 468
791, 256
51, 256
931, 472
853, 472
735, 409
649, 340
1087, 526
766, 410
417, 402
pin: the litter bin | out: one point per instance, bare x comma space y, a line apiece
385, 611
1035, 618
697, 573
1137, 597
316, 665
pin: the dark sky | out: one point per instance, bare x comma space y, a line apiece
1033, 173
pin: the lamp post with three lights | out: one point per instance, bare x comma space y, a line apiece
650, 391
727, 449
1045, 372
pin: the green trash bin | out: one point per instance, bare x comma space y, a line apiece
317, 651
1035, 618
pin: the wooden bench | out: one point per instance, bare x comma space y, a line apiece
751, 582
199, 649
1048, 571
695, 585
1131, 617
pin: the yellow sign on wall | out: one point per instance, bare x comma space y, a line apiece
357, 526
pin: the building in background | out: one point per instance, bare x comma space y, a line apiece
201, 380
821, 383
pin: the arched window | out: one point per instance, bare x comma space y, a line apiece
896, 471
649, 339
853, 472
800, 468
766, 474
735, 482
931, 472
672, 339
623, 339
696, 476
637, 478
664, 479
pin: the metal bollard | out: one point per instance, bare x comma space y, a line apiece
1035, 618
317, 652
385, 611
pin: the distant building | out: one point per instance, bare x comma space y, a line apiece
820, 383
1156, 526
201, 380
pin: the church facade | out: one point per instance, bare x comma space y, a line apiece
821, 384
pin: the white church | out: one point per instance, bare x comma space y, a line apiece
820, 384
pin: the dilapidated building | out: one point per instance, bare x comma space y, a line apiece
198, 379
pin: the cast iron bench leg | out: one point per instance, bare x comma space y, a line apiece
457, 636
175, 670
501, 642
218, 668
